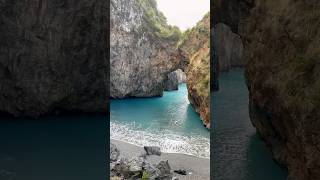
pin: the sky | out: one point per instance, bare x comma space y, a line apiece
184, 13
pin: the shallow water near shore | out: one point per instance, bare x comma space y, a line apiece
169, 122
238, 152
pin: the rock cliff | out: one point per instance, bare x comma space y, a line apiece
283, 73
174, 79
143, 49
228, 47
146, 52
195, 46
228, 22
53, 56
229, 16
282, 50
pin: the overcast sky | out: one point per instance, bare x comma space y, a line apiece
184, 13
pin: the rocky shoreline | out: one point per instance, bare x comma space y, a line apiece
128, 161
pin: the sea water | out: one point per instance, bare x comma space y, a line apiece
238, 152
169, 122
51, 148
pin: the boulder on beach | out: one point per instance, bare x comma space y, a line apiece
138, 167
181, 171
164, 170
152, 150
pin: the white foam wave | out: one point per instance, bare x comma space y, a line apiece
168, 142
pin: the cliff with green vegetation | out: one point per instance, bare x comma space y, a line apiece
157, 22
143, 49
195, 47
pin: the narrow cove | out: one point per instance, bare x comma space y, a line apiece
238, 151
169, 122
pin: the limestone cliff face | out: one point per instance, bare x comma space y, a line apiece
174, 79
228, 47
53, 56
283, 74
143, 49
228, 23
282, 50
196, 47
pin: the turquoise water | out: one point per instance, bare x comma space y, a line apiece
52, 148
169, 122
238, 152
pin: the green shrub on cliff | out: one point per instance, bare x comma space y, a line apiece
157, 21
200, 34
195, 46
145, 175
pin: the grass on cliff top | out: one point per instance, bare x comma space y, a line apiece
158, 22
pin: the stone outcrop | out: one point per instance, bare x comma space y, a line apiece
174, 79
233, 13
181, 76
228, 22
228, 47
143, 49
196, 48
53, 56
283, 75
140, 167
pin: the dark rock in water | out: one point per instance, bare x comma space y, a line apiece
53, 56
171, 83
228, 47
152, 150
181, 171
114, 153
174, 79
164, 169
181, 76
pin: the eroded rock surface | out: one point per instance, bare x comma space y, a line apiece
282, 51
283, 74
228, 47
228, 23
139, 167
174, 79
53, 56
195, 46
142, 53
